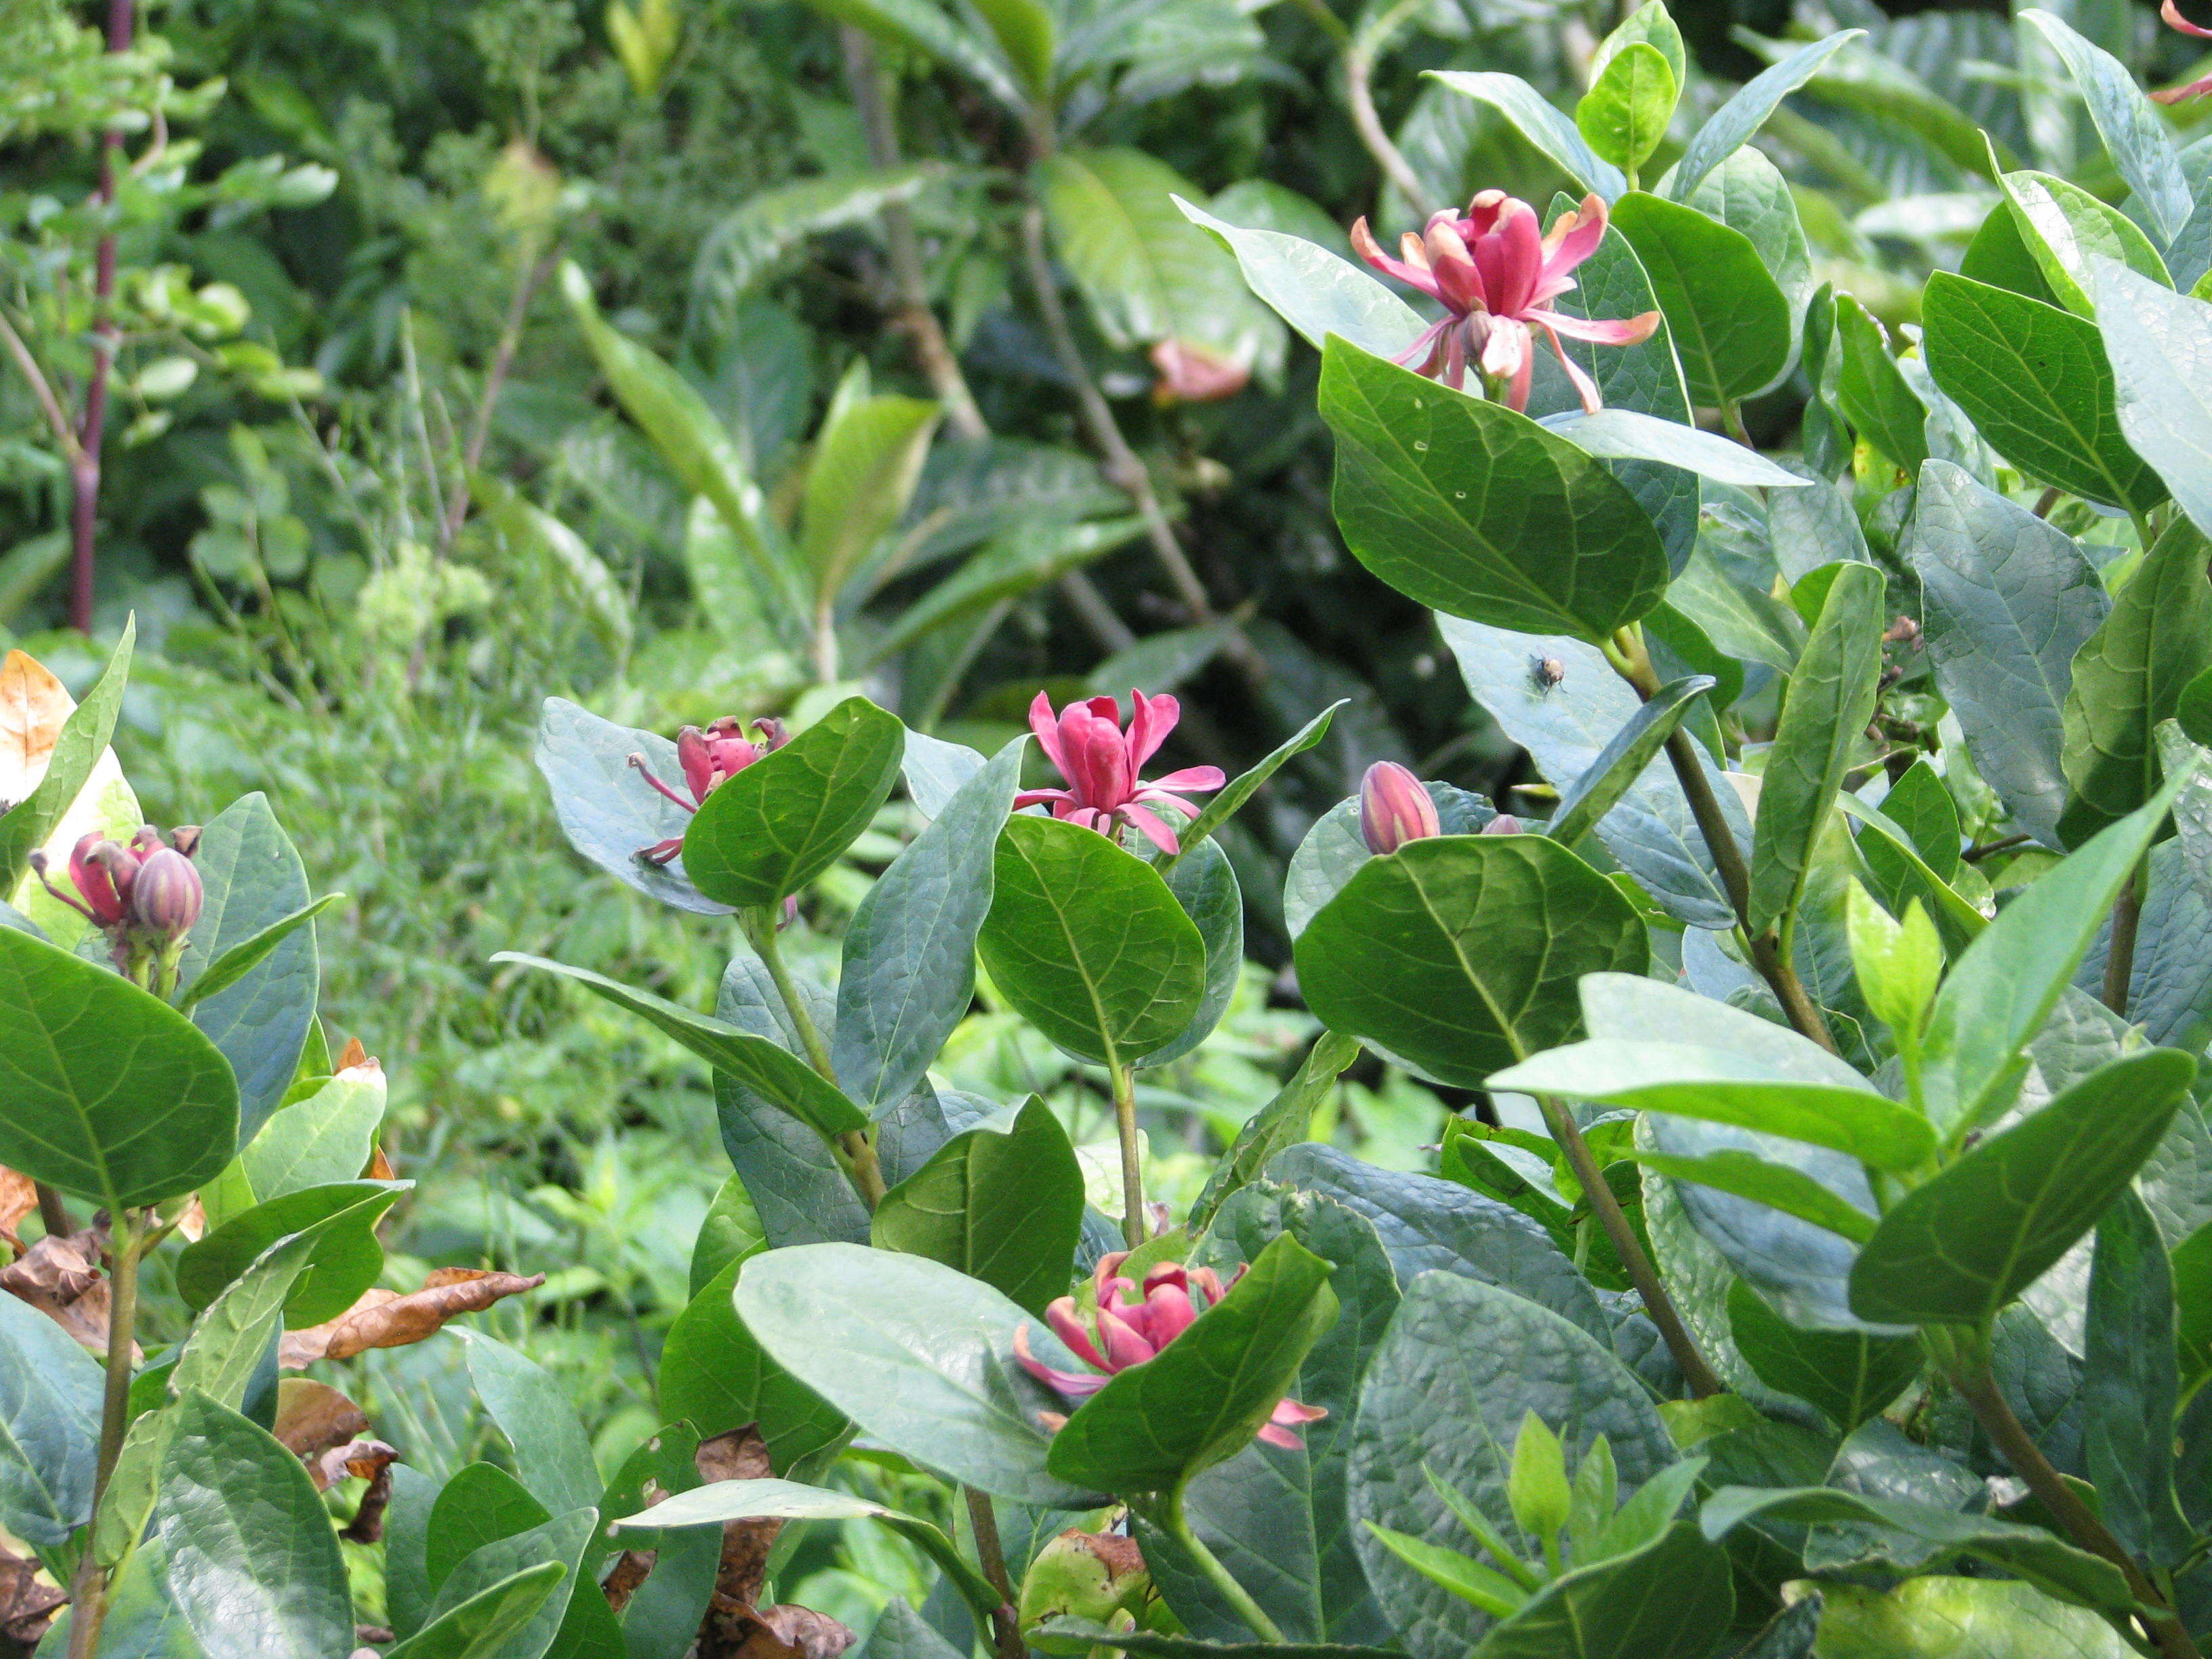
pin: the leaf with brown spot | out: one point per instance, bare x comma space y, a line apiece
384, 1319
312, 1417
18, 1197
34, 707
363, 1459
27, 1605
790, 1632
353, 1055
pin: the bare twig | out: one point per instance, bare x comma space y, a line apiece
2120, 957
1989, 849
84, 463
42, 389
527, 282
1360, 51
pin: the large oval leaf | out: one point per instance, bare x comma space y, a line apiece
1480, 512
105, 1092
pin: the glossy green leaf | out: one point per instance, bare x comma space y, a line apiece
1203, 883
1623, 760
1024, 30
2136, 135
752, 242
1316, 292
1872, 392
1625, 114
1956, 1250
2160, 344
1670, 1600
559, 1542
1069, 1636
480, 1504
775, 1073
715, 1377
1203, 1397
920, 1357
552, 1453
1746, 193
1461, 953
1967, 1618
482, 1626
1832, 697
1779, 1186
1662, 1048
1729, 320
608, 811
1550, 129
2065, 229
253, 879
1735, 123
2035, 382
1016, 562
765, 834
2130, 1383
1284, 1122
1001, 1202
346, 1260
49, 1407
241, 960
315, 1142
1438, 494
2131, 673
27, 824
536, 535
2007, 602
910, 952
231, 1340
1241, 788
866, 460
105, 1092
1998, 256
1625, 435
2002, 989
1087, 943
1850, 1375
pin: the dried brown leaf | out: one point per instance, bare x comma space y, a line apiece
385, 1319
740, 1454
314, 1417
380, 1167
28, 1606
18, 1197
354, 1055
790, 1632
61, 1278
191, 1221
34, 705
364, 1459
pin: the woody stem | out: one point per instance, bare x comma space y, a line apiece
1132, 1168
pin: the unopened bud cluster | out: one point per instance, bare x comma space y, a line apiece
145, 895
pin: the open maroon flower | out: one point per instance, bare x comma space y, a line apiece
1101, 762
1132, 1329
2171, 13
709, 759
1495, 272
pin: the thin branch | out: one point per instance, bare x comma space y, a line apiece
1360, 52
1989, 849
533, 276
2120, 957
84, 465
991, 1556
49, 405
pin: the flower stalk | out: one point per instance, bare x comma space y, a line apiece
855, 1152
89, 1591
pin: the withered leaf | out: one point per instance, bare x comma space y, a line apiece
385, 1319
27, 1605
790, 1632
363, 1459
18, 1197
314, 1417
34, 705
731, 1621
61, 1278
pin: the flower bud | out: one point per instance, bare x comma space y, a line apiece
166, 897
1504, 825
1394, 809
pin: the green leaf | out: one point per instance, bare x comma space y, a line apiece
2034, 381
1735, 123
1284, 1122
607, 809
747, 245
1873, 390
1965, 1618
2002, 989
723, 1501
2007, 601
2131, 1385
1659, 1048
1462, 1364
241, 1559
1148, 273
2065, 228
1016, 562
1565, 727
252, 878
1625, 114
27, 824
1001, 1202
1088, 944
1081, 1635
552, 1453
1729, 320
1649, 22
1672, 1599
1316, 292
2131, 673
105, 1092
560, 1542
1778, 1186
696, 445
1998, 256
1956, 1250
345, 1261
910, 952
315, 1142
1463, 1575
243, 959
920, 1357
2136, 135
1624, 434
715, 1377
1437, 492
732, 1228
772, 1070
1831, 699
762, 834
480, 1504
866, 460
1202, 1398
1203, 883
1544, 126
1849, 1375
1241, 788
1461, 953
1023, 29
482, 1626
49, 1407
534, 533
2160, 344
1623, 759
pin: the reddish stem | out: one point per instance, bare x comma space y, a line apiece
84, 472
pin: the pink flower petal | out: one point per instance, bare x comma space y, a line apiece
1148, 823
1171, 1313
1365, 245
2175, 94
1154, 717
1574, 238
1048, 731
1585, 387
1068, 1384
2171, 13
1039, 797
1601, 330
1125, 1345
1068, 1326
1190, 777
